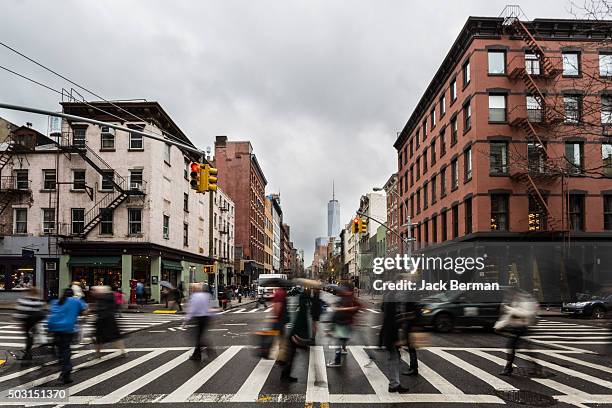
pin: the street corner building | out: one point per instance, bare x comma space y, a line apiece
97, 205
508, 155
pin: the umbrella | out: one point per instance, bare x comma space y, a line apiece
309, 283
166, 284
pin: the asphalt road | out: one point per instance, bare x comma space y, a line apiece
456, 369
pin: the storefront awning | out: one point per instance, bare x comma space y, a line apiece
94, 261
172, 265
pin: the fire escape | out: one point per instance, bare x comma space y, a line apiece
121, 189
10, 187
536, 70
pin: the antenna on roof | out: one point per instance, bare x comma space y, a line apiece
512, 12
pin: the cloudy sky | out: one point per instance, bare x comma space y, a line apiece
319, 87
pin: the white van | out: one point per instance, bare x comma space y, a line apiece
268, 292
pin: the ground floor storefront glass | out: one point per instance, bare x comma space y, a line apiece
17, 274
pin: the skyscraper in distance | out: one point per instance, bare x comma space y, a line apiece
333, 215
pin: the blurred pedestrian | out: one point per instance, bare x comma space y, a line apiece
140, 293
106, 326
390, 338
407, 319
77, 290
198, 313
119, 300
316, 310
178, 296
62, 323
29, 311
515, 320
343, 318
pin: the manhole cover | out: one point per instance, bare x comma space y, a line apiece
524, 397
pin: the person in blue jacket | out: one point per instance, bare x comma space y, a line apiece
63, 324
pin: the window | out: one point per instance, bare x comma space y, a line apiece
411, 175
136, 181
433, 189
454, 174
49, 179
136, 142
606, 110
442, 103
78, 220
411, 148
534, 109
442, 142
185, 234
433, 152
537, 216
434, 229
418, 168
444, 226
454, 131
467, 116
107, 141
605, 64
576, 212
186, 202
425, 129
606, 157
607, 205
455, 221
532, 63
48, 218
468, 215
167, 149
424, 160
467, 164
108, 177
499, 212
536, 156
78, 137
432, 116
21, 180
78, 180
426, 232
21, 221
466, 73
425, 195
443, 182
571, 63
497, 108
498, 159
412, 205
418, 201
166, 227
574, 155
134, 221
416, 139
497, 62
453, 89
572, 108
106, 221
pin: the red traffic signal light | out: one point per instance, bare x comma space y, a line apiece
195, 176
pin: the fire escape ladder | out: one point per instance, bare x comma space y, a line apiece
109, 202
534, 47
552, 223
5, 155
530, 130
9, 191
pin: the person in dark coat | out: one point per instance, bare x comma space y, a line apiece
107, 328
390, 338
316, 309
29, 311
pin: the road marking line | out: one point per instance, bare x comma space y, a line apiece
11, 337
36, 368
157, 331
234, 324
182, 393
213, 330
12, 344
482, 375
569, 371
490, 357
316, 387
374, 311
239, 310
584, 363
470, 399
567, 338
249, 392
573, 396
117, 395
432, 377
111, 373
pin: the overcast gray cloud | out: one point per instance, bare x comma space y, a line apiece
320, 88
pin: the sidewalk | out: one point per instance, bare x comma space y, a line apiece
149, 308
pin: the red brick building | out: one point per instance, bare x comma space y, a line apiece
241, 177
392, 242
507, 154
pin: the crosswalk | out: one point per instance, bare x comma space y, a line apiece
235, 375
12, 337
568, 335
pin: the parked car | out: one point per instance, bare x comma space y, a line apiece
447, 310
596, 306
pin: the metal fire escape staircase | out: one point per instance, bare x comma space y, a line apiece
121, 190
8, 184
536, 122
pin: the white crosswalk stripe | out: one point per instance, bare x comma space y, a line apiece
568, 336
90, 373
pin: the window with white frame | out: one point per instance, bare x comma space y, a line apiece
574, 154
167, 150
48, 220
606, 157
49, 179
571, 63
136, 179
534, 109
78, 220
605, 64
134, 221
20, 224
467, 164
78, 180
136, 141
497, 62
78, 137
106, 221
21, 179
107, 141
185, 234
106, 180
532, 63
606, 110
497, 108
166, 227
572, 104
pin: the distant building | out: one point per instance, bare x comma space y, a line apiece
277, 220
333, 216
269, 236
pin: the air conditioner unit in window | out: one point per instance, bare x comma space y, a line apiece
50, 266
107, 131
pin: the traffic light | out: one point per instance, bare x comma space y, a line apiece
208, 178
355, 226
363, 226
194, 176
